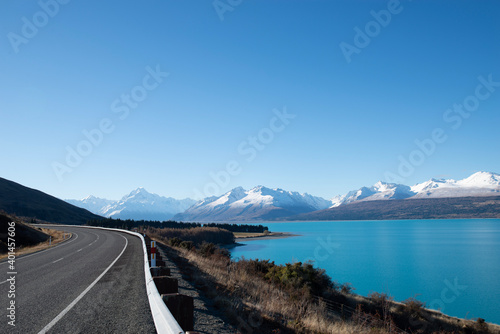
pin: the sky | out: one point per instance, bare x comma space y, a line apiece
194, 98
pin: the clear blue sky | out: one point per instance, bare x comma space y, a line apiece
353, 120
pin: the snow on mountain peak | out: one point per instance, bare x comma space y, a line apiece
230, 197
481, 180
257, 203
478, 184
138, 204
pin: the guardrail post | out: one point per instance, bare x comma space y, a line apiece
153, 253
160, 271
182, 308
166, 284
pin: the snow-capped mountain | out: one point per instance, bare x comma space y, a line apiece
91, 203
478, 184
139, 204
259, 203
379, 191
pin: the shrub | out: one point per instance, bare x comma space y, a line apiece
174, 242
347, 288
300, 276
380, 299
206, 249
186, 245
414, 307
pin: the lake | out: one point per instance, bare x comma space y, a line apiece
451, 265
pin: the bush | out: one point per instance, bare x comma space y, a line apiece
347, 288
300, 276
414, 307
186, 245
206, 249
174, 242
380, 299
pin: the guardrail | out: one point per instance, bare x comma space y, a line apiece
165, 322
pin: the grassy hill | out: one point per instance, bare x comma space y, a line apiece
26, 202
425, 208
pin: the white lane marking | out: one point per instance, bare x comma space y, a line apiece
3, 282
61, 244
77, 299
57, 260
79, 250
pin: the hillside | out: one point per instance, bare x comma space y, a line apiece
26, 202
420, 208
25, 235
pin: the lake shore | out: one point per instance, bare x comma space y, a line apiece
263, 236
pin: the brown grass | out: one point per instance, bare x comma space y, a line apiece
57, 237
250, 234
254, 304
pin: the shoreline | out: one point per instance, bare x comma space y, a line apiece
272, 235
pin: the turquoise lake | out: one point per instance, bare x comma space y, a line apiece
451, 265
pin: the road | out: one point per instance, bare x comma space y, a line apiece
92, 283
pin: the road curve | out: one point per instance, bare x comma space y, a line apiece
92, 283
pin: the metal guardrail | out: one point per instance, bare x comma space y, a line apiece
165, 322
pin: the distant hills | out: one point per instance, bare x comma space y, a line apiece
26, 202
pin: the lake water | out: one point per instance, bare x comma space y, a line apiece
452, 265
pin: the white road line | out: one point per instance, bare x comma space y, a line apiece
77, 299
3, 282
79, 250
57, 260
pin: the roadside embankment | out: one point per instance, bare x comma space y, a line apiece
27, 238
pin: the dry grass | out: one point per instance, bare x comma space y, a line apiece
57, 237
243, 296
250, 234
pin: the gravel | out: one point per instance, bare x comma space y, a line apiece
207, 318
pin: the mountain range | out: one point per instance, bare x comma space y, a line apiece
262, 203
138, 205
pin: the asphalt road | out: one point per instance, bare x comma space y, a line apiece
66, 289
